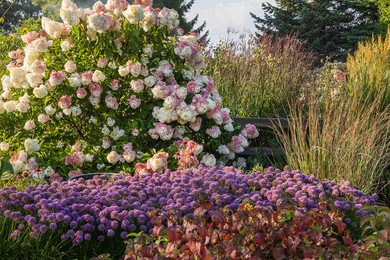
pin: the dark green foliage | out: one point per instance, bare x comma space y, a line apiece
330, 27
15, 11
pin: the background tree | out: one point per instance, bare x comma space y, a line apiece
329, 27
13, 11
182, 7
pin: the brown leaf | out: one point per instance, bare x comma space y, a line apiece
278, 253
315, 236
203, 231
170, 248
157, 230
199, 212
218, 219
173, 234
195, 247
383, 234
309, 252
347, 241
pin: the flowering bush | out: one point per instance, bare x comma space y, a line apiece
96, 209
99, 89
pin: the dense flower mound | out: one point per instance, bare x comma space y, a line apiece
82, 210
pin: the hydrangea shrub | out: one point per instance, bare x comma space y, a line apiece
99, 90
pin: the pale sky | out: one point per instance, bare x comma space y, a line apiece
221, 14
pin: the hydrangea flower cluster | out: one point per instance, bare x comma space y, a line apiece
94, 209
109, 76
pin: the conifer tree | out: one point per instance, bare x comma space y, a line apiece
329, 27
13, 12
182, 7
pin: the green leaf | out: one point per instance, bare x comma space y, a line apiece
5, 167
134, 234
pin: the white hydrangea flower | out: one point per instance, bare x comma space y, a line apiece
40, 92
98, 76
50, 110
105, 130
134, 13
4, 146
10, 106
31, 145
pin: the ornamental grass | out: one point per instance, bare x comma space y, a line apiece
258, 78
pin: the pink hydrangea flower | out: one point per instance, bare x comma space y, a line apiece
134, 102
95, 89
56, 78
43, 119
250, 131
129, 156
114, 84
141, 169
65, 102
77, 158
74, 173
86, 77
112, 102
135, 132
158, 163
81, 93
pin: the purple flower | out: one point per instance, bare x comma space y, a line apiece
110, 232
101, 238
87, 237
124, 235
73, 224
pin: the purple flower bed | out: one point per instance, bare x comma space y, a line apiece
94, 209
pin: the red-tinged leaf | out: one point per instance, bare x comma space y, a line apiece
315, 236
205, 204
203, 231
309, 253
332, 242
383, 234
259, 238
195, 247
279, 253
218, 219
293, 242
225, 235
170, 248
347, 241
366, 246
199, 212
157, 230
173, 235
340, 227
147, 251
368, 228
322, 205
365, 219
327, 219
